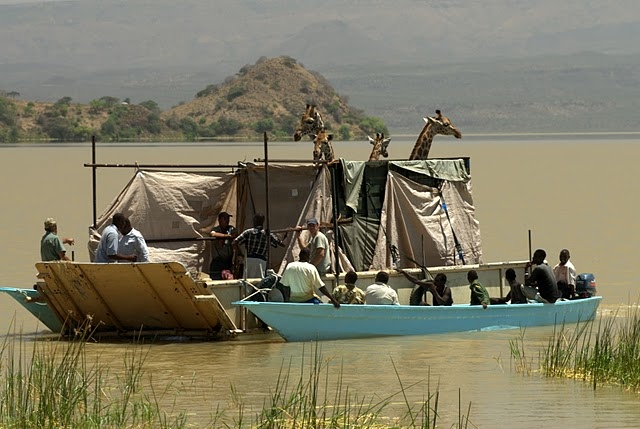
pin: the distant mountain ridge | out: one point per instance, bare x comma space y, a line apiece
396, 60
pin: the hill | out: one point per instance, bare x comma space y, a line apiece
268, 96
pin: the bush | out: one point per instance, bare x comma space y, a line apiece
371, 125
236, 91
7, 112
210, 89
263, 125
344, 132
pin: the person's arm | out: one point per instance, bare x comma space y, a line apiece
413, 279
326, 292
143, 250
69, 241
319, 256
444, 299
301, 243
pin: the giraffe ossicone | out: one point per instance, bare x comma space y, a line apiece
310, 123
380, 145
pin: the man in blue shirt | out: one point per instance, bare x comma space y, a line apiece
108, 247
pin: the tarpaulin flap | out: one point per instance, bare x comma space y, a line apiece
413, 219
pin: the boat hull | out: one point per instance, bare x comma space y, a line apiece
39, 309
306, 322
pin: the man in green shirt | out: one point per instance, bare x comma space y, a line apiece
479, 294
51, 246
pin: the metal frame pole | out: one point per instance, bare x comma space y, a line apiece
267, 211
94, 171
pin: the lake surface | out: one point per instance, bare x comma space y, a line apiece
578, 192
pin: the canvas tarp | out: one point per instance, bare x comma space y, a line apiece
175, 206
175, 210
319, 204
413, 219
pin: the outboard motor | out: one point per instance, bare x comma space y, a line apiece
586, 285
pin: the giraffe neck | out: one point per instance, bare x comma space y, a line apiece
375, 153
328, 152
423, 144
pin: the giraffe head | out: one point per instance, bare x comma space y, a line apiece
437, 125
380, 145
322, 146
442, 125
310, 123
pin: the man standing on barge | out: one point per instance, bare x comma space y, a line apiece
52, 246
318, 245
255, 242
222, 248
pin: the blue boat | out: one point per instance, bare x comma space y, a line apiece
306, 322
28, 298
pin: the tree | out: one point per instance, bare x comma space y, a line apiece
371, 125
150, 105
344, 132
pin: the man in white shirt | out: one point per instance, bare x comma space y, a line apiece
565, 274
303, 278
380, 293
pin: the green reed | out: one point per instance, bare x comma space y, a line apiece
57, 385
310, 397
602, 353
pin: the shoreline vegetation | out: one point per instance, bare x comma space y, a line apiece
58, 384
601, 356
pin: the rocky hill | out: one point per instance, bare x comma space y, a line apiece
268, 96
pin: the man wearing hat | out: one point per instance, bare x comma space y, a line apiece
318, 245
51, 246
221, 248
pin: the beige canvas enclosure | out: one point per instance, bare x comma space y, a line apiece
404, 212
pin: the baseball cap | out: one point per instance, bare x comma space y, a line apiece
224, 214
312, 221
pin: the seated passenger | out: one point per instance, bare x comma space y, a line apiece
516, 294
302, 278
565, 274
380, 293
542, 277
349, 293
438, 288
479, 294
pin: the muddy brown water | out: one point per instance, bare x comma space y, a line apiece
573, 191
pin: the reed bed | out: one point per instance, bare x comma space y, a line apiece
55, 384
606, 352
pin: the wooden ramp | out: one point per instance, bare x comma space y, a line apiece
130, 297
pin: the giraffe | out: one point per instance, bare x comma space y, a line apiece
310, 123
380, 145
322, 146
438, 125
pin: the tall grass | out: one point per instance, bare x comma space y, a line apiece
57, 385
602, 353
